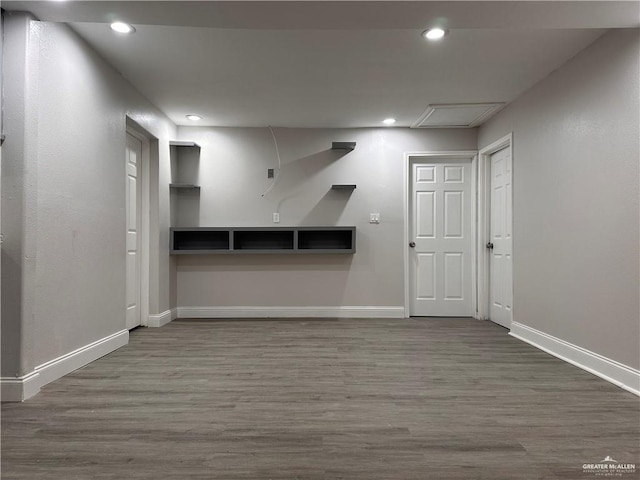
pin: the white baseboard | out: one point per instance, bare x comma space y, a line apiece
65, 364
19, 389
22, 388
614, 372
290, 312
161, 319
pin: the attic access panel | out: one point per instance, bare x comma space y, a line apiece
463, 115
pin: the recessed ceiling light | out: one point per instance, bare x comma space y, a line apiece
193, 118
122, 27
389, 121
434, 33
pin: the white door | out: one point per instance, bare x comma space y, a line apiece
500, 246
133, 156
441, 239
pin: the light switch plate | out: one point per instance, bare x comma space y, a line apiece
374, 218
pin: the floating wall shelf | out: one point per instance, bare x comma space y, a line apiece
343, 146
239, 240
178, 143
343, 186
183, 185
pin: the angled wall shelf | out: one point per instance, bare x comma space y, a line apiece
343, 146
267, 240
179, 143
343, 186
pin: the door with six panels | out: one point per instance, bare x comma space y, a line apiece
133, 156
441, 242
501, 240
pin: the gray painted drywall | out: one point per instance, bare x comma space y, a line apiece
74, 133
1, 132
232, 172
576, 194
19, 210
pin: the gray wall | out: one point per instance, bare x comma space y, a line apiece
233, 174
65, 169
2, 345
18, 216
576, 214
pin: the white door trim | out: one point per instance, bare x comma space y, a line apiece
144, 222
484, 217
408, 158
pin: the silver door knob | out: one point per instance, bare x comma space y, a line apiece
412, 244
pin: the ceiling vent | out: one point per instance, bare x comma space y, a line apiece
456, 115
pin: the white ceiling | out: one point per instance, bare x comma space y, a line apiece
333, 64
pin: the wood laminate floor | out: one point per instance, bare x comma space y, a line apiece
321, 399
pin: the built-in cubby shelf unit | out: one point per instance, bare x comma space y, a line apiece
242, 240
184, 188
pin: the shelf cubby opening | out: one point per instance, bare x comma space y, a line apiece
201, 240
325, 240
263, 240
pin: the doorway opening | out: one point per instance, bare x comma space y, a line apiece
137, 174
443, 216
495, 235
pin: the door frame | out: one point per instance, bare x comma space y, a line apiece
484, 223
415, 157
137, 132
